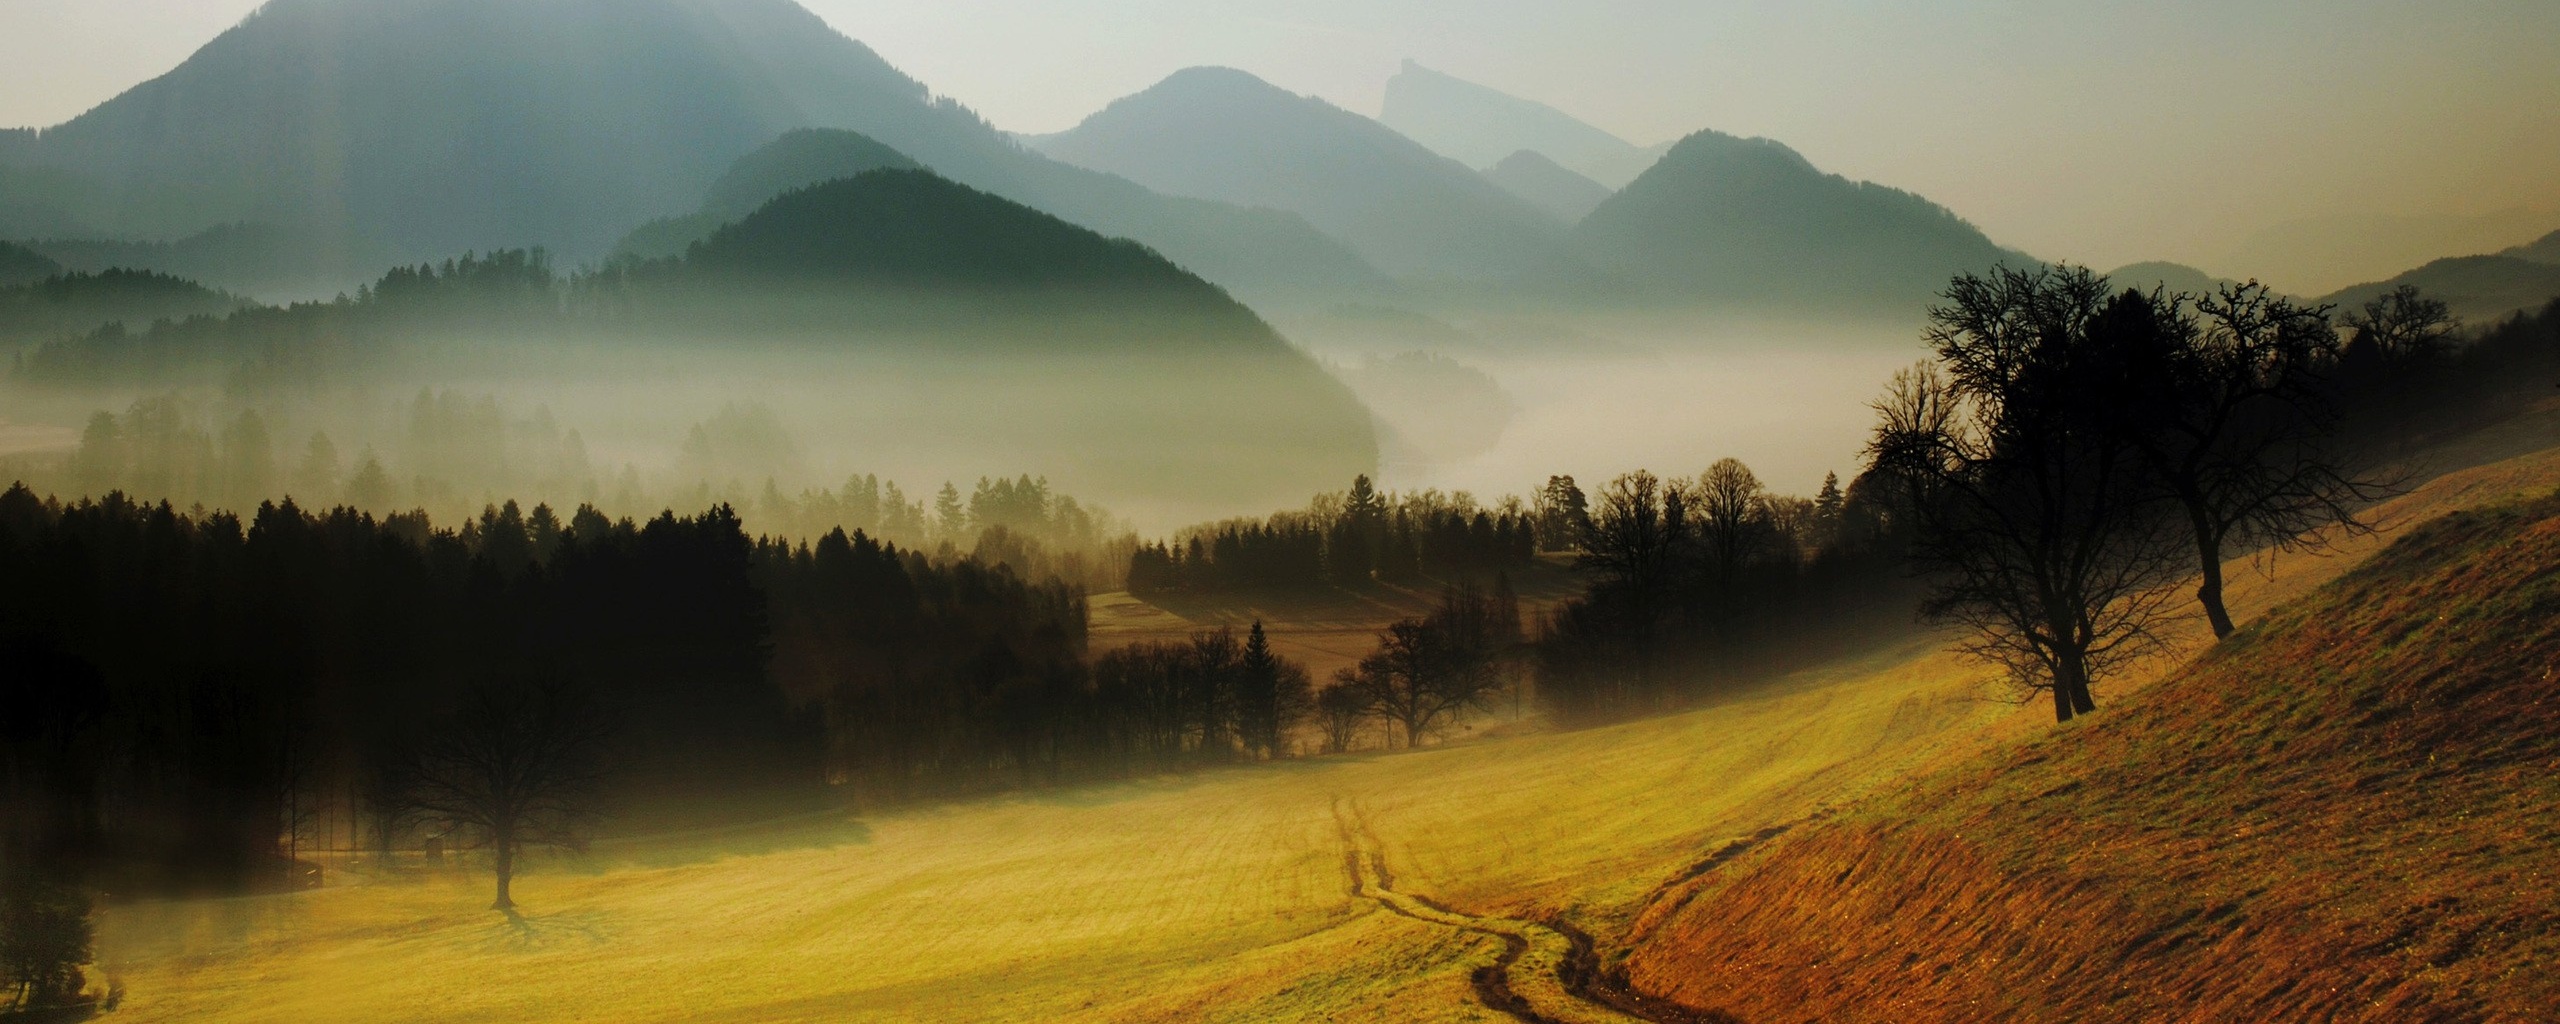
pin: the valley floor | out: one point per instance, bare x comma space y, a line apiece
1225, 895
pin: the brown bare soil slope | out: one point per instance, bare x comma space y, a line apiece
2349, 812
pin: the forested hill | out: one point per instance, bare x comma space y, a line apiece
797, 160
902, 258
909, 227
912, 255
19, 265
1727, 220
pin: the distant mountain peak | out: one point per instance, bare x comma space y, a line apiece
1727, 220
1223, 134
1478, 125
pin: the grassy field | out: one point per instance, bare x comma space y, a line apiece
1217, 896
2349, 812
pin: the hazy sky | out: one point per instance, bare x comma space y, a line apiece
2310, 143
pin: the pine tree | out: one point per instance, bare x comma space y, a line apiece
1258, 695
950, 515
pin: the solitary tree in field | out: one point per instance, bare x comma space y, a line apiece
518, 767
2033, 510
2226, 406
1428, 671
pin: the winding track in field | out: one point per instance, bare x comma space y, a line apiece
1543, 971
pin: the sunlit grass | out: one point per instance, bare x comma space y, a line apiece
1217, 896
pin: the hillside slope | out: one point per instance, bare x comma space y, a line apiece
2478, 288
2347, 813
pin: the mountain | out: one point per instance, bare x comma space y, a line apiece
1735, 222
391, 131
1479, 126
2477, 288
20, 265
1222, 134
1548, 185
908, 228
2175, 277
922, 314
2546, 250
797, 160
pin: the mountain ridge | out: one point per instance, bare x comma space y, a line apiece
1224, 134
1724, 220
470, 126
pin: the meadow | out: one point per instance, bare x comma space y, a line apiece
1221, 895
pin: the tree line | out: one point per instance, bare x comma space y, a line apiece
188, 694
1346, 539
1696, 583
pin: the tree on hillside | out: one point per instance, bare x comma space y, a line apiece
2033, 519
2227, 407
519, 766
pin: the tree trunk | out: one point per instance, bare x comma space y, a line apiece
506, 849
2210, 591
2071, 696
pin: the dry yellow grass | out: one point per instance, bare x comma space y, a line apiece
1220, 896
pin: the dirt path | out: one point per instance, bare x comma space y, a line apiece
1544, 972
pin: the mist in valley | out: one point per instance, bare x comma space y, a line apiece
531, 510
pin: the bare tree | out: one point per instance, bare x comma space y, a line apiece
2401, 324
2031, 510
518, 767
1428, 671
2226, 405
1342, 709
1730, 513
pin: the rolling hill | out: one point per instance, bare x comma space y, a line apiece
1222, 134
389, 131
2175, 277
2478, 288
2543, 250
2345, 813
20, 265
1480, 126
1748, 223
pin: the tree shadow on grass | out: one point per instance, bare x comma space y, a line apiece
526, 933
